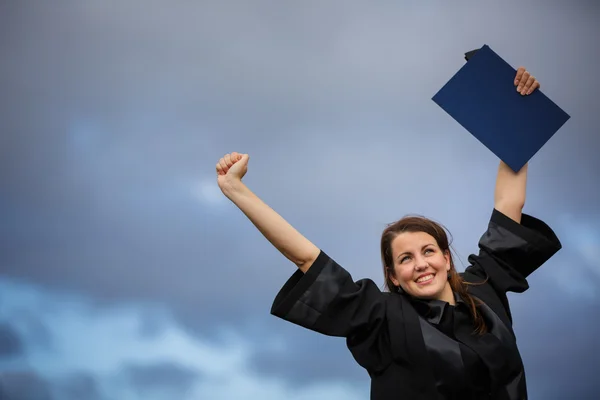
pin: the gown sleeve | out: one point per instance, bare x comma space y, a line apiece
328, 301
510, 251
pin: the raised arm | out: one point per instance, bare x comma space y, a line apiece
295, 247
321, 295
509, 195
510, 191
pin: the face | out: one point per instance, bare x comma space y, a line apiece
421, 267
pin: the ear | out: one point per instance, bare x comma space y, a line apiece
447, 257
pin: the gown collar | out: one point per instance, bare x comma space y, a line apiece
433, 310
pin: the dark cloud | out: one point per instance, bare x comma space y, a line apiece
10, 342
24, 385
94, 194
306, 358
29, 385
77, 386
151, 324
109, 115
35, 333
170, 378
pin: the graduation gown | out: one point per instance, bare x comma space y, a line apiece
416, 349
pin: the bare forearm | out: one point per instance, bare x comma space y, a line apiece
510, 192
293, 245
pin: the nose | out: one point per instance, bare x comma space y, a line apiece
420, 263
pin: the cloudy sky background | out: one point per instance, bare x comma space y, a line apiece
125, 274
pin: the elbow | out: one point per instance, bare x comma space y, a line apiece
516, 204
305, 263
512, 209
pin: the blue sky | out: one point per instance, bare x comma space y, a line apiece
125, 274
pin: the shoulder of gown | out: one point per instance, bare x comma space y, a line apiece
510, 251
327, 300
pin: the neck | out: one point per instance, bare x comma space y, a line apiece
447, 295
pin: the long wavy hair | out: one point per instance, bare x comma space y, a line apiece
438, 232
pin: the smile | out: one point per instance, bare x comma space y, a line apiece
424, 280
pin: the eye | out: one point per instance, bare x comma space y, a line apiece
429, 251
404, 259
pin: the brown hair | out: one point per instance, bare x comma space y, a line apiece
438, 232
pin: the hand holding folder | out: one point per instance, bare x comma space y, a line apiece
482, 97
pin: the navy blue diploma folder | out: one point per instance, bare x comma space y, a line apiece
482, 97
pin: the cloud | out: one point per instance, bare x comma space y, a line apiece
110, 137
301, 358
104, 354
10, 342
111, 336
76, 386
109, 189
28, 384
171, 379
24, 385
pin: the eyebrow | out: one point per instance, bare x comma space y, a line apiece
407, 252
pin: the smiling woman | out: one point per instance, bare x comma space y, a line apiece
437, 333
417, 259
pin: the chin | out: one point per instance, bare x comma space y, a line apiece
428, 292
431, 295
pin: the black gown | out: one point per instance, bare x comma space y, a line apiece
418, 349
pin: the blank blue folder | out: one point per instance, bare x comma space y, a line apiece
482, 97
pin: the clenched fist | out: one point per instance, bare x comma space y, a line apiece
231, 169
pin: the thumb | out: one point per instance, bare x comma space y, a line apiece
242, 160
240, 165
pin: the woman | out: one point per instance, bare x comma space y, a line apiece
437, 334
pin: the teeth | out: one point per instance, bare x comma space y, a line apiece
425, 278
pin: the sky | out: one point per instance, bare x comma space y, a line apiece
124, 272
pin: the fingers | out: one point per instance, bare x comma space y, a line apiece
227, 161
525, 82
224, 164
528, 85
520, 72
536, 85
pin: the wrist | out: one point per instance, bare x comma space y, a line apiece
232, 188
